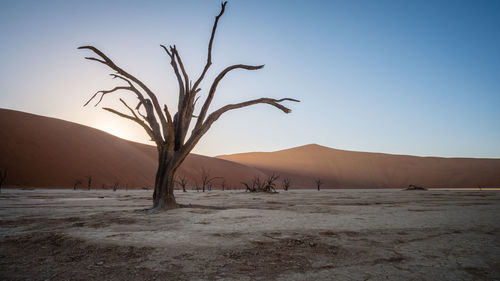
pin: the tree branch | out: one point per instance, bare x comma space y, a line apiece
104, 93
181, 65
98, 60
197, 133
209, 56
276, 103
107, 61
213, 88
171, 134
133, 118
173, 63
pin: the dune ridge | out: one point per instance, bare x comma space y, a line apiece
47, 152
351, 169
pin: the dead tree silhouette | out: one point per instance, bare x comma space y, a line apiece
3, 177
206, 180
182, 181
318, 183
76, 183
89, 181
285, 184
169, 134
258, 185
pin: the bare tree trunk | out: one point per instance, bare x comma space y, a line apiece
163, 196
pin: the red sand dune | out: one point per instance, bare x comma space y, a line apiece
47, 152
349, 169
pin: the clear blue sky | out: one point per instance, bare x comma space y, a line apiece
404, 77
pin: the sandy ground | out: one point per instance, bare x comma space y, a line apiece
294, 235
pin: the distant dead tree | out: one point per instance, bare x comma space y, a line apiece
254, 186
258, 185
270, 185
169, 132
76, 183
285, 184
115, 186
196, 186
182, 181
318, 183
223, 184
3, 177
89, 181
206, 180
415, 187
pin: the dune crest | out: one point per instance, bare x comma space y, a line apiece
47, 152
350, 169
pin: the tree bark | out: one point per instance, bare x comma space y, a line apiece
163, 196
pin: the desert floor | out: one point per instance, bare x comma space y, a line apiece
294, 235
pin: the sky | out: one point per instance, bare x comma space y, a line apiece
402, 77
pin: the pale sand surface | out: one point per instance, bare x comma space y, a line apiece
294, 235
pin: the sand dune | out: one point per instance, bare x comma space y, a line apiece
349, 169
47, 152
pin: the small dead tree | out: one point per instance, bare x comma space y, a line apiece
415, 187
318, 183
270, 185
254, 186
223, 184
3, 177
258, 185
206, 180
182, 181
285, 184
169, 132
89, 181
76, 183
115, 186
196, 186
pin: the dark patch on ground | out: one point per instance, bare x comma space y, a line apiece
55, 256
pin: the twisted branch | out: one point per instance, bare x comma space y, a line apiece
213, 88
107, 61
209, 56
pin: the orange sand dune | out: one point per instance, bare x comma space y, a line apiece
349, 169
46, 152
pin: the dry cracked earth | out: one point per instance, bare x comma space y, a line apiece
233, 235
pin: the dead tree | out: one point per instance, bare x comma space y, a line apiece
285, 184
196, 186
254, 186
415, 187
89, 181
223, 184
115, 186
270, 185
258, 185
3, 177
182, 181
206, 180
169, 132
318, 183
77, 183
